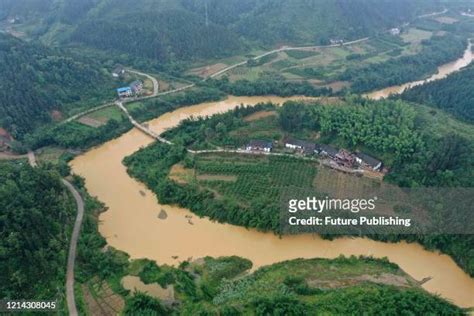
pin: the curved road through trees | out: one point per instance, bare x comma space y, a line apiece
71, 301
70, 298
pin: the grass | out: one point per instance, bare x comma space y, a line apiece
134, 105
301, 54
104, 115
49, 154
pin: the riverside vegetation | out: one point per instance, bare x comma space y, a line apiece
62, 65
229, 191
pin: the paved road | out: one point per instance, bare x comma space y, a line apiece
283, 49
432, 14
71, 301
156, 92
78, 115
156, 85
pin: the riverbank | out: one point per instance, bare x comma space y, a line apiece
131, 222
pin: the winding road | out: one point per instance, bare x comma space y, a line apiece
71, 301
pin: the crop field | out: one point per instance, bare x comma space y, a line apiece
340, 185
325, 64
104, 115
254, 177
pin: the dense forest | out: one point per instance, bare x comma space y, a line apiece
454, 94
171, 30
36, 216
37, 80
436, 51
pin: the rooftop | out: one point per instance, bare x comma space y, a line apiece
124, 89
371, 161
326, 148
300, 143
260, 143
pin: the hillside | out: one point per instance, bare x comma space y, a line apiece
36, 215
176, 30
36, 80
342, 286
453, 94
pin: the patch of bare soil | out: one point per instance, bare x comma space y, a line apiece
90, 122
207, 70
180, 174
384, 278
216, 177
259, 115
56, 115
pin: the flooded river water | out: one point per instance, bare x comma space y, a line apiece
131, 223
443, 72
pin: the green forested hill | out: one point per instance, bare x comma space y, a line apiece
161, 36
455, 94
35, 220
34, 80
168, 30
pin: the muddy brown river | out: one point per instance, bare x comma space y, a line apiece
131, 223
443, 72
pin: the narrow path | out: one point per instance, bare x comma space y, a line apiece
71, 301
70, 298
156, 85
32, 159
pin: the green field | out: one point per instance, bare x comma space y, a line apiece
256, 178
109, 113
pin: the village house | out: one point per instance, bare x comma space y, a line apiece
345, 158
301, 145
259, 145
136, 86
124, 92
118, 72
367, 161
336, 41
395, 31
326, 150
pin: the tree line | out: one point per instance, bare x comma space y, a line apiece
436, 51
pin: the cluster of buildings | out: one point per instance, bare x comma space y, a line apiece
133, 89
341, 157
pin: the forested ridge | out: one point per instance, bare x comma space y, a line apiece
171, 30
36, 216
454, 94
36, 80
